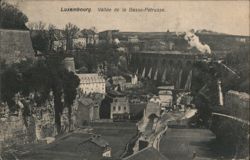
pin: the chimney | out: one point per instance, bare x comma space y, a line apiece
220, 93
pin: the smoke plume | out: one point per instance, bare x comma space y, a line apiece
194, 41
116, 41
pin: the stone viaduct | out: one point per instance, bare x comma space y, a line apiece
171, 62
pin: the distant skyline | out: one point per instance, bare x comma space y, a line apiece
231, 17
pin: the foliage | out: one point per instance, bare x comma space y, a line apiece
104, 55
51, 35
36, 25
69, 33
40, 78
40, 40
10, 85
11, 17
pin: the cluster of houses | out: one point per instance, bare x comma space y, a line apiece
80, 40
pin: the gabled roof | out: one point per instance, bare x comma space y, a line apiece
148, 153
91, 78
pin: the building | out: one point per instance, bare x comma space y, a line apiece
136, 110
87, 111
91, 36
108, 36
79, 42
119, 108
134, 79
91, 83
115, 106
69, 64
119, 81
166, 98
59, 45
72, 146
153, 107
133, 39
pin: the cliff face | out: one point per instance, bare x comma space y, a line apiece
15, 45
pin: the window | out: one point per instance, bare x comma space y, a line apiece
125, 108
113, 108
119, 108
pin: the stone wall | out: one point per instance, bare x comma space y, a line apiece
15, 45
13, 131
152, 108
238, 104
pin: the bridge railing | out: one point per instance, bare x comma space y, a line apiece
231, 117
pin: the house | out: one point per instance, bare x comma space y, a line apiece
108, 36
119, 108
69, 64
136, 110
73, 146
59, 43
119, 81
87, 111
78, 42
119, 105
92, 83
133, 39
134, 79
166, 98
91, 36
153, 107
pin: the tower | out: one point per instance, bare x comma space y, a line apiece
69, 64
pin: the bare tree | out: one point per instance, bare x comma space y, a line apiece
36, 25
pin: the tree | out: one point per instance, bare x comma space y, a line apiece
11, 17
40, 78
10, 85
40, 40
70, 83
39, 36
51, 35
69, 33
36, 25
62, 82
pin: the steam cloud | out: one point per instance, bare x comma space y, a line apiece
116, 41
194, 41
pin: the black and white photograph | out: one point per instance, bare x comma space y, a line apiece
124, 79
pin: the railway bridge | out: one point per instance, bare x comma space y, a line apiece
167, 65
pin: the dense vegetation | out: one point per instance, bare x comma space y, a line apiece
11, 17
40, 79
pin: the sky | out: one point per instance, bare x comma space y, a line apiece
230, 17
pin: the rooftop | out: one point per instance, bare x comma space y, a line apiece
90, 78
